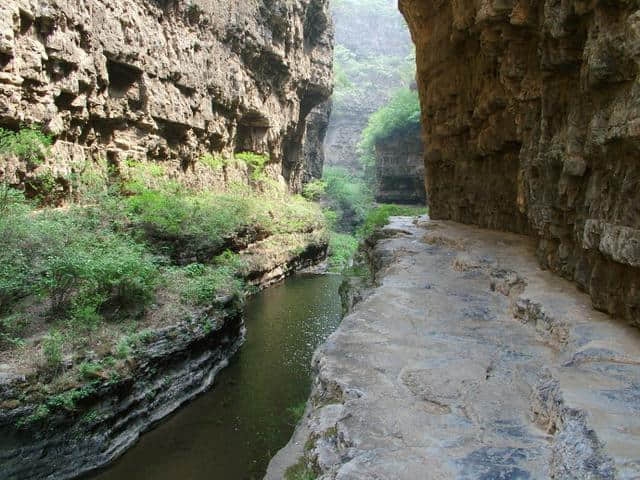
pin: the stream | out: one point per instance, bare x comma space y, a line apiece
231, 432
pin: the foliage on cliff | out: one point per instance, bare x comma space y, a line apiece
123, 255
400, 113
357, 76
351, 212
363, 65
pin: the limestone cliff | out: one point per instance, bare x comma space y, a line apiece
399, 167
531, 112
167, 80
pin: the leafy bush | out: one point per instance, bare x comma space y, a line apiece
202, 285
402, 112
256, 163
12, 328
137, 176
89, 370
296, 412
96, 269
349, 196
214, 162
52, 346
342, 248
90, 183
379, 217
29, 144
314, 189
71, 258
300, 471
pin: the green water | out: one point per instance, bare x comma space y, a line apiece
231, 432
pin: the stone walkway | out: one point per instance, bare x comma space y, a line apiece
470, 362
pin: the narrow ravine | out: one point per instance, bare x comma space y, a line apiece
232, 431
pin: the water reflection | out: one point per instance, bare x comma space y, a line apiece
231, 432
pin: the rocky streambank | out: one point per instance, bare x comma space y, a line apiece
93, 422
470, 361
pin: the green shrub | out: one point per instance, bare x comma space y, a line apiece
96, 269
349, 196
379, 217
10, 199
123, 272
296, 412
68, 400
123, 348
40, 414
231, 261
12, 328
90, 183
214, 162
314, 189
63, 273
204, 285
74, 260
29, 144
46, 189
300, 471
52, 348
402, 112
138, 175
256, 163
89, 370
25, 242
342, 248
203, 220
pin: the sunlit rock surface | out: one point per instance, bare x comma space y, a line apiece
469, 361
165, 80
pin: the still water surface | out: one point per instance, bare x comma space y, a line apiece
231, 432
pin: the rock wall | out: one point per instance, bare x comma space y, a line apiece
400, 168
167, 80
313, 142
532, 124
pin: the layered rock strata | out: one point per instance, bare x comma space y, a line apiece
532, 124
93, 423
400, 168
164, 80
470, 361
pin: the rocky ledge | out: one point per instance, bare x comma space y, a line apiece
91, 424
469, 361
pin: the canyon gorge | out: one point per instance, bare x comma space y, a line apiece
495, 337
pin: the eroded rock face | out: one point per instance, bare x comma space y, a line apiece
400, 168
165, 80
531, 112
313, 148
